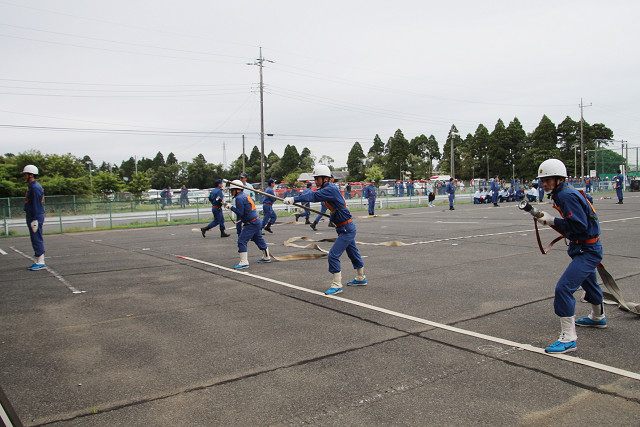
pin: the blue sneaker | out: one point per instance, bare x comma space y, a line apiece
333, 291
355, 282
35, 267
586, 321
241, 267
264, 260
562, 347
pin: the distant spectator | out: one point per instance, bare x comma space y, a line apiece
184, 197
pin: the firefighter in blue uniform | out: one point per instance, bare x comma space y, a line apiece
306, 213
216, 197
246, 211
495, 189
619, 185
369, 193
34, 209
587, 185
451, 191
579, 223
331, 196
269, 215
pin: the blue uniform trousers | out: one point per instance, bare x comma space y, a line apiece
251, 231
346, 241
619, 193
268, 214
218, 218
494, 197
581, 272
306, 213
451, 199
372, 205
37, 242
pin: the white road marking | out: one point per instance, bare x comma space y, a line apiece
527, 347
2, 252
53, 272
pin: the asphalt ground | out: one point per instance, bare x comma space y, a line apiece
122, 331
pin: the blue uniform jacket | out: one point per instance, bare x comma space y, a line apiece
619, 179
33, 201
451, 188
332, 198
216, 193
266, 199
369, 192
495, 185
579, 221
306, 192
245, 208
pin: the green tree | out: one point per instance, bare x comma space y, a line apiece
518, 143
378, 146
171, 159
374, 173
106, 183
158, 161
396, 152
500, 159
197, 172
138, 184
307, 162
355, 163
290, 160
453, 137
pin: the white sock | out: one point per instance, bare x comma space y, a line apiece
360, 274
337, 280
267, 255
568, 325
244, 258
597, 312
40, 259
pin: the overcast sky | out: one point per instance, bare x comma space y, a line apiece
120, 78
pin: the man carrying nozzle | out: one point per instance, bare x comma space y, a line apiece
246, 211
579, 224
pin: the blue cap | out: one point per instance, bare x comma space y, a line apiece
217, 182
270, 181
309, 185
243, 175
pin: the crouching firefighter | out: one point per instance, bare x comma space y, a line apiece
579, 224
333, 199
246, 211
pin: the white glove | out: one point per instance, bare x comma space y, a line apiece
545, 219
288, 200
226, 205
34, 225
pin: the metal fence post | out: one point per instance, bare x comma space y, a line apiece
110, 216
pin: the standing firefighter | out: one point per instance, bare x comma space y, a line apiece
216, 197
369, 193
246, 211
579, 223
619, 186
34, 209
333, 199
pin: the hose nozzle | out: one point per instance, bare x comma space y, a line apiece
527, 207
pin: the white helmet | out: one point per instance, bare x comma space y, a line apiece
30, 169
321, 170
236, 183
552, 167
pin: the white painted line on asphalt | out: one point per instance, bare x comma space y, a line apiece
2, 252
527, 347
53, 272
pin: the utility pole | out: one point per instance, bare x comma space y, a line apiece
243, 168
259, 63
582, 137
